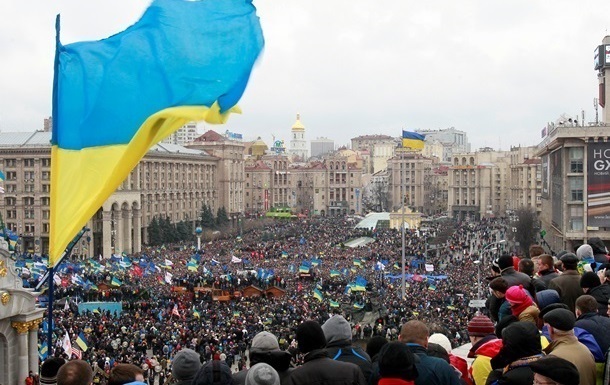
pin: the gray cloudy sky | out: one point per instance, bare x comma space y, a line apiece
497, 70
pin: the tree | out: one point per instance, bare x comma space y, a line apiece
381, 196
154, 232
184, 231
526, 228
207, 218
221, 217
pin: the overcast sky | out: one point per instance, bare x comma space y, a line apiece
497, 70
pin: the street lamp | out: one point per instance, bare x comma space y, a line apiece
481, 261
198, 231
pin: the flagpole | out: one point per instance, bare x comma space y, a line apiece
402, 200
50, 314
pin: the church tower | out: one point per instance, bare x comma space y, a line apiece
298, 144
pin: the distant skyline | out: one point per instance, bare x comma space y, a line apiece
497, 71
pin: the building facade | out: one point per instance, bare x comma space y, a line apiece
410, 174
183, 136
321, 146
378, 148
170, 181
453, 141
575, 162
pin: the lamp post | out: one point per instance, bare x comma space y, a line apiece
481, 261
198, 231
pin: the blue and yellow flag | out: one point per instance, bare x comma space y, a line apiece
113, 99
115, 282
412, 140
335, 273
82, 342
2, 177
333, 303
317, 294
196, 313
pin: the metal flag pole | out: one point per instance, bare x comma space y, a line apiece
402, 225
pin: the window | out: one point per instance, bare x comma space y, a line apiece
29, 188
46, 162
576, 218
45, 227
11, 188
29, 214
29, 228
28, 175
46, 214
44, 201
28, 201
46, 188
28, 163
576, 189
576, 159
46, 175
10, 162
11, 175
10, 201
11, 214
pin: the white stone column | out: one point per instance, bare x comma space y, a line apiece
137, 230
22, 341
118, 227
107, 233
33, 345
127, 225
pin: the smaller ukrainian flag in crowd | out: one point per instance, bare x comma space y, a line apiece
317, 294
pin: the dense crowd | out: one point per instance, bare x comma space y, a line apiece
158, 321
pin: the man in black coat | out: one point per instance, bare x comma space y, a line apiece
318, 368
589, 320
567, 284
338, 334
266, 349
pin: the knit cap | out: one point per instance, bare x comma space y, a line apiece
262, 374
310, 336
49, 369
517, 295
589, 280
442, 340
480, 326
185, 365
264, 342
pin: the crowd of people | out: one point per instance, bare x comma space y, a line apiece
340, 304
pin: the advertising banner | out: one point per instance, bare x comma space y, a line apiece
598, 184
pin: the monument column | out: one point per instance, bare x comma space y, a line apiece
107, 233
118, 227
22, 341
33, 344
137, 230
127, 225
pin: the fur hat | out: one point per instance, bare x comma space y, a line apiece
310, 336
49, 369
185, 365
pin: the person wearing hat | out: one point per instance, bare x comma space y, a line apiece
396, 365
185, 365
431, 370
338, 334
318, 368
75, 372
513, 277
600, 252
521, 304
520, 347
591, 285
457, 362
49, 369
564, 344
262, 374
546, 269
266, 349
485, 346
567, 284
551, 369
215, 372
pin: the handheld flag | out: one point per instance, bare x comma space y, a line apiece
317, 294
82, 342
67, 345
115, 282
412, 140
333, 303
115, 98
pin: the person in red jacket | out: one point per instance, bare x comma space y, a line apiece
396, 365
458, 363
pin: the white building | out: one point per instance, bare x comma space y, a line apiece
298, 144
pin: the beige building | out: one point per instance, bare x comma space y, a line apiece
410, 177
487, 183
268, 183
170, 181
230, 157
380, 149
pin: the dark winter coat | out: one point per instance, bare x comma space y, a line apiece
598, 326
433, 370
346, 352
319, 369
278, 359
568, 287
602, 296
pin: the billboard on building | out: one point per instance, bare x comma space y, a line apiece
556, 167
545, 177
598, 184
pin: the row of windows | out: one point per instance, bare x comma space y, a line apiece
28, 162
27, 201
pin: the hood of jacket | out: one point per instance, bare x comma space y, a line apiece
278, 359
337, 330
597, 245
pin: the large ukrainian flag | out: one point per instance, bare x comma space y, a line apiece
412, 140
115, 98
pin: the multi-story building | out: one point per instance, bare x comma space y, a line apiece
321, 146
453, 141
410, 174
183, 136
298, 144
525, 179
170, 181
380, 148
268, 183
230, 156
